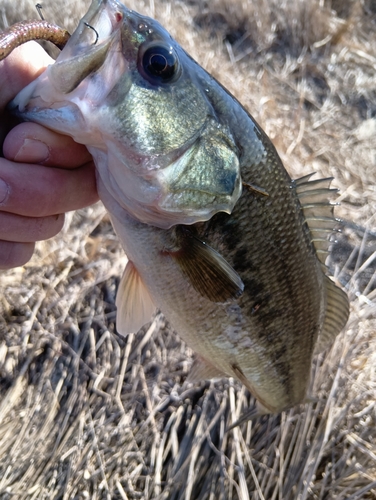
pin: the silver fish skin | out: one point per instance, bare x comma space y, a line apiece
218, 235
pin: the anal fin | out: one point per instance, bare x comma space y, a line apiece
133, 301
238, 372
202, 370
336, 316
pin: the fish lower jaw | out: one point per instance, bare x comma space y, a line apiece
64, 120
19, 104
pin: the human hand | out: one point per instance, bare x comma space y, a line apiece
44, 174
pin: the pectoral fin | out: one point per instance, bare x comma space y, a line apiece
208, 272
134, 304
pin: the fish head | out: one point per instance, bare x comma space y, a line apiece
126, 89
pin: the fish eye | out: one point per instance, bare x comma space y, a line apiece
158, 63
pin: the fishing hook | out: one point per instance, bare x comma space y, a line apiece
95, 31
39, 8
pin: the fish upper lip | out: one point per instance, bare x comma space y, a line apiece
104, 17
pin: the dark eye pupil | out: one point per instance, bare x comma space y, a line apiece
159, 62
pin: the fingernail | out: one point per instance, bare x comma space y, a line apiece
32, 151
4, 191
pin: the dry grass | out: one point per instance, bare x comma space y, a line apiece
85, 413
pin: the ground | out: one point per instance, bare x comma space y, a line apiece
87, 413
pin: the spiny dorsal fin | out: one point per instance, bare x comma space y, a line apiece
336, 315
314, 197
208, 272
134, 304
304, 179
304, 184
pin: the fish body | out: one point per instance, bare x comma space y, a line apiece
217, 234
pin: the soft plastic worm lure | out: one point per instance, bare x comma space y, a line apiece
24, 31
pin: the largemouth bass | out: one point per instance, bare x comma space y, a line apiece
218, 236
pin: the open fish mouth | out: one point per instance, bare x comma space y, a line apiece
84, 54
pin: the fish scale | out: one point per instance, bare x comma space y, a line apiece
218, 236
281, 288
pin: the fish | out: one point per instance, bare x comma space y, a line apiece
218, 236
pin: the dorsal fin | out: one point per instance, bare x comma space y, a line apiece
336, 315
314, 197
304, 179
133, 301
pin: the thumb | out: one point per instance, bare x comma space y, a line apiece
21, 67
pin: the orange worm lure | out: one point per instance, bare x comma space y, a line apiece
24, 31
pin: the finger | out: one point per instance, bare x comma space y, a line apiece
22, 229
15, 254
32, 143
22, 66
38, 191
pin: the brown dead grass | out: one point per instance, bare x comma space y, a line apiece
85, 413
